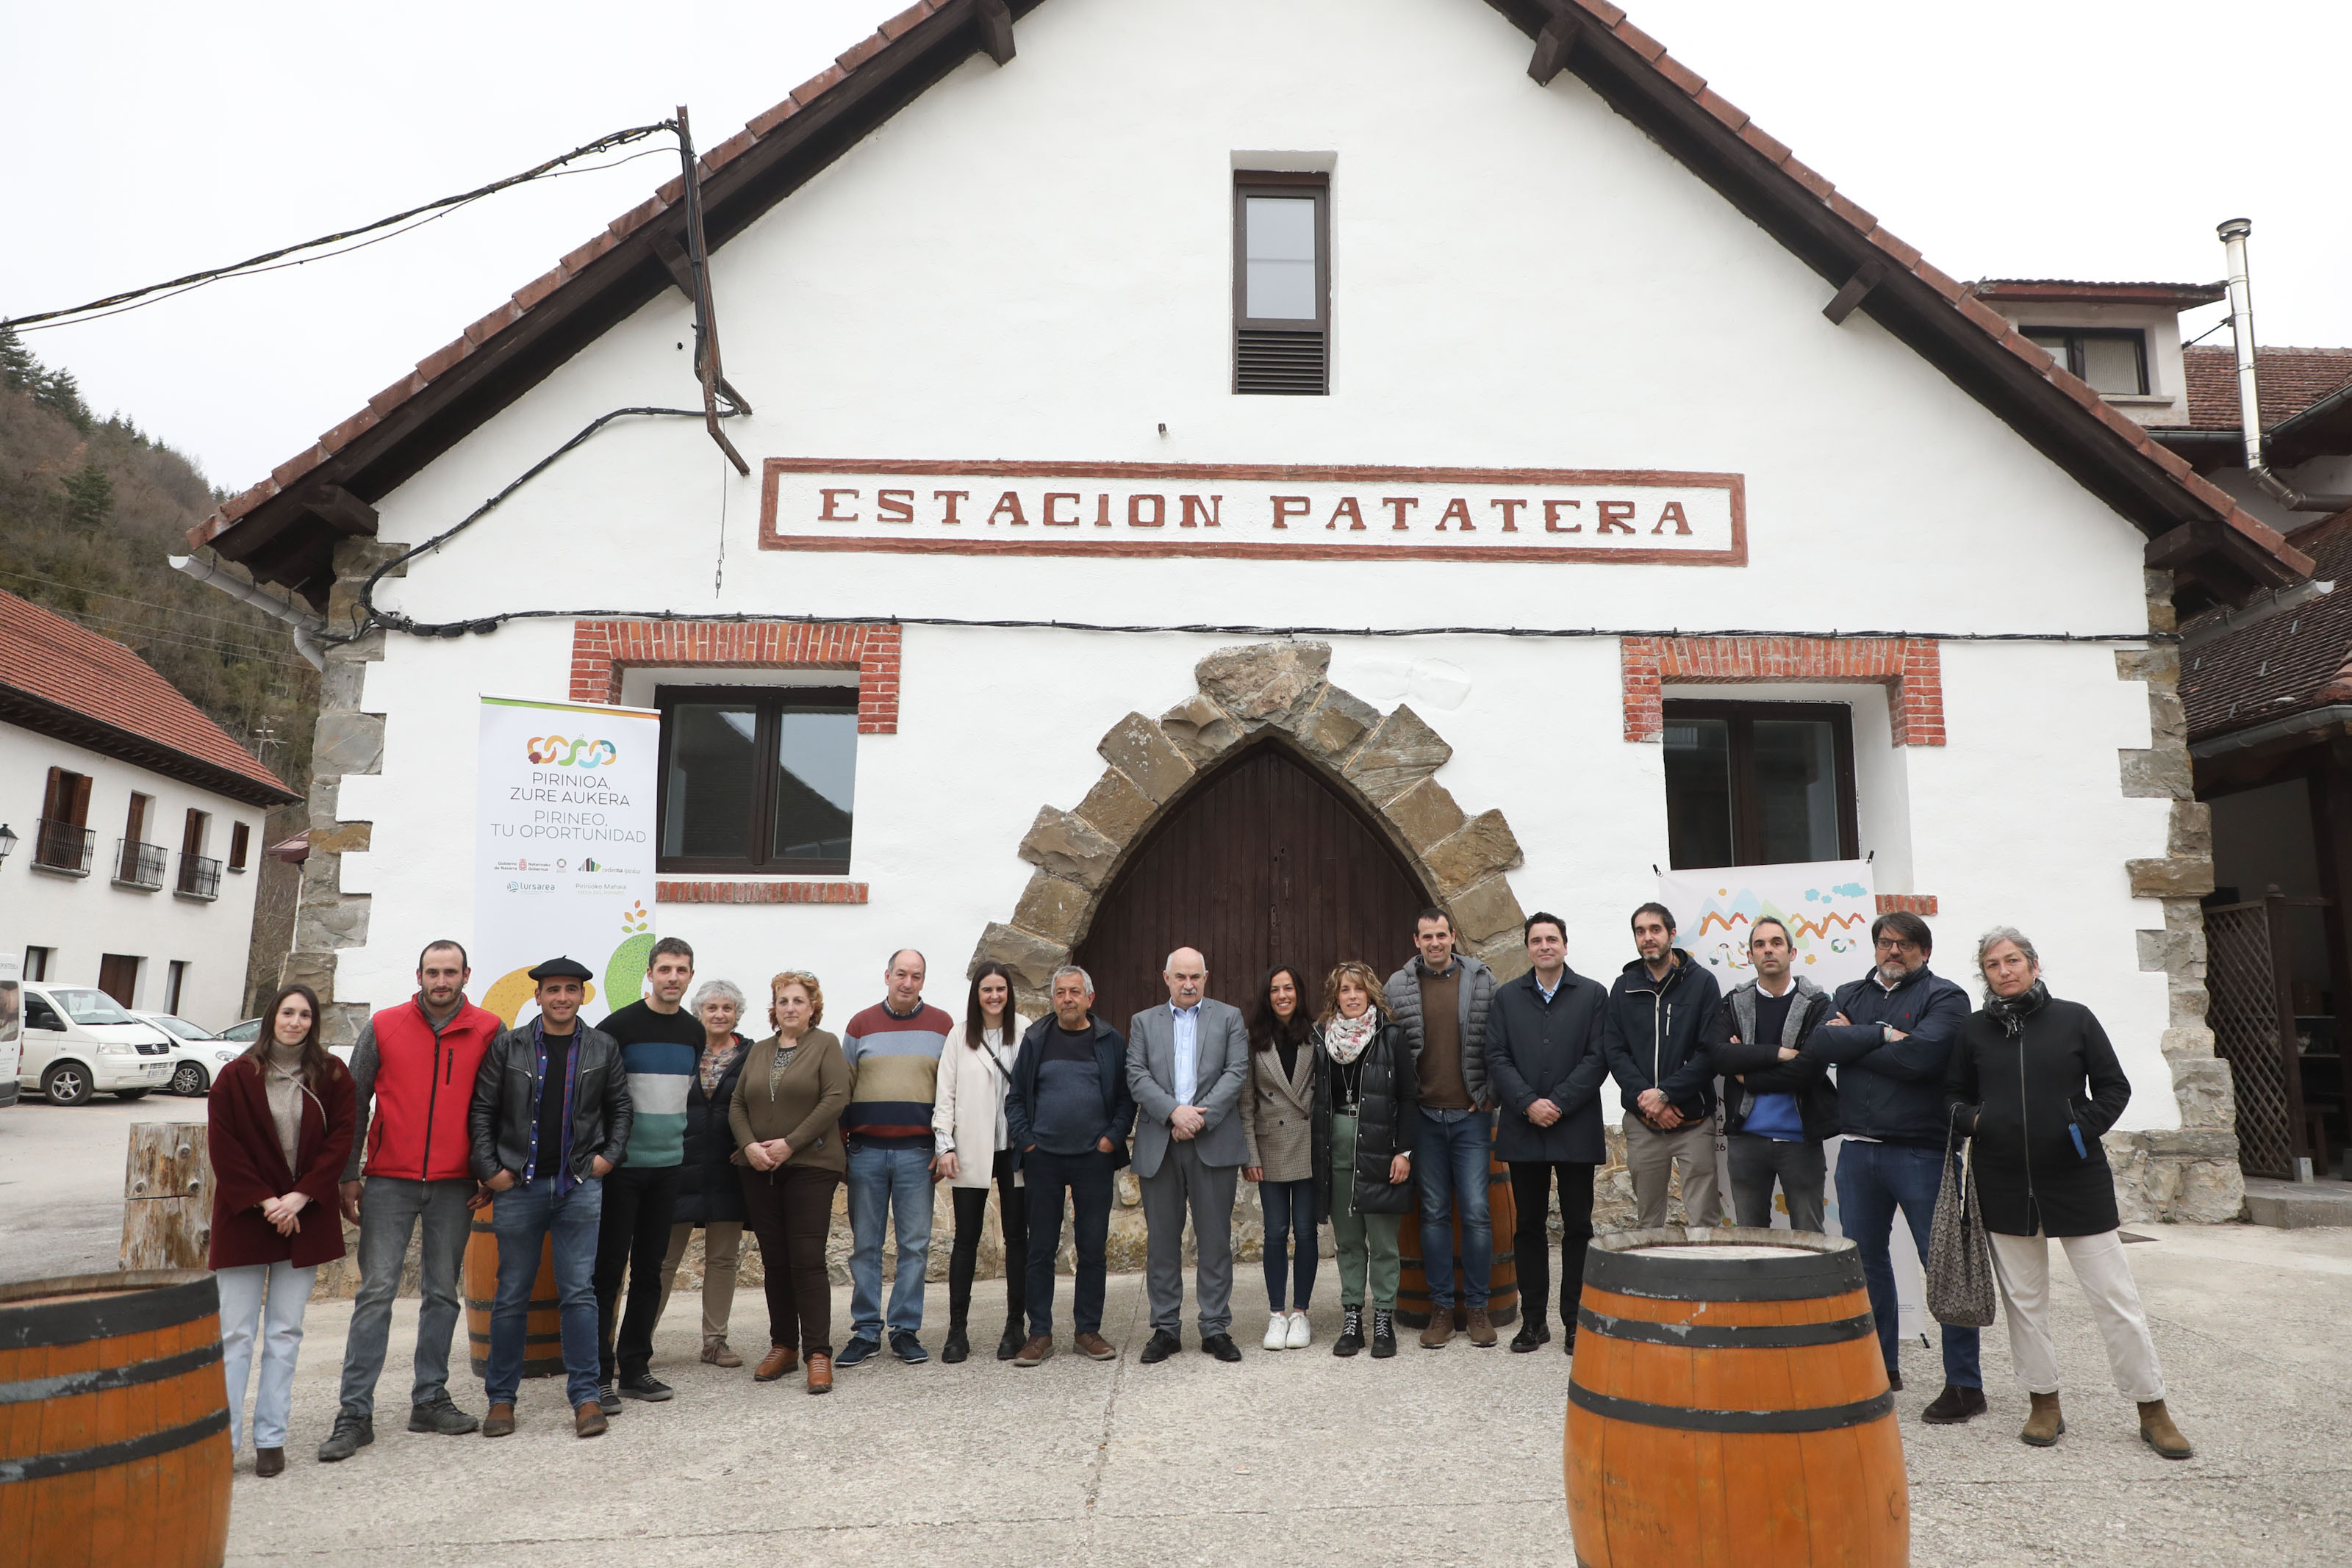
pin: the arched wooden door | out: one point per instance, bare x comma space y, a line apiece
1263, 862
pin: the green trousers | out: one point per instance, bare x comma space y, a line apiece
1363, 1241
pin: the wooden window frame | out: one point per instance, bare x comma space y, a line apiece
2076, 362
769, 700
240, 844
1747, 830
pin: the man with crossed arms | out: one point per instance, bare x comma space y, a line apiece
1185, 1064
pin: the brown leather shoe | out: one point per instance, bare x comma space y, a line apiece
588, 1420
716, 1353
1482, 1329
272, 1461
820, 1373
1039, 1347
2156, 1430
499, 1422
2046, 1423
1095, 1345
780, 1360
1440, 1332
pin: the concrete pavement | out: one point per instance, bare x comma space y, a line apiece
61, 1180
1450, 1457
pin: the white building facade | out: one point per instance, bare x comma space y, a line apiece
1257, 468
138, 825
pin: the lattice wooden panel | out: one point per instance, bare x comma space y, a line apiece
2243, 1013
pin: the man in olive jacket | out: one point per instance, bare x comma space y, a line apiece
1545, 1061
549, 1118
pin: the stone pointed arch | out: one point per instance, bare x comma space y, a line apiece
1387, 763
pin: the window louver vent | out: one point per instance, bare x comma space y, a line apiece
1280, 363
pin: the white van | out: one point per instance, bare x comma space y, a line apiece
78, 1041
12, 1012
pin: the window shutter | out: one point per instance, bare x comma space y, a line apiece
240, 837
78, 813
191, 840
1280, 363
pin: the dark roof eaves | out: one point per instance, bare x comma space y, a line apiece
28, 710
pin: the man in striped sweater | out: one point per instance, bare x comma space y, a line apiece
661, 1046
893, 1049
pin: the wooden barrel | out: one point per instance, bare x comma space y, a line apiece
113, 1422
1728, 1403
1502, 1280
542, 1344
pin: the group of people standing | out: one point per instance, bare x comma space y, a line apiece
1356, 1101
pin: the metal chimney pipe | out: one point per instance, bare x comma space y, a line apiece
305, 624
2233, 233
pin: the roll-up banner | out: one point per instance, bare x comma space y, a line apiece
563, 851
1828, 906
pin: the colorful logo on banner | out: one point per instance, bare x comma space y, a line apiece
562, 751
1827, 907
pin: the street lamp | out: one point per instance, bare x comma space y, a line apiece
7, 841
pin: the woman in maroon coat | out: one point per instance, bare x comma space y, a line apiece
281, 1131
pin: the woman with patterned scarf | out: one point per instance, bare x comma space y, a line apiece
2034, 1082
1364, 1083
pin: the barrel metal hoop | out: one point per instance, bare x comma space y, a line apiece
1709, 1337
110, 1316
1817, 1418
1801, 1276
66, 1385
41, 1467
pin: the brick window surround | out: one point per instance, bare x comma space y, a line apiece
1908, 667
602, 650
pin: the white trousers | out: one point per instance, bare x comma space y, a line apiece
2020, 1265
276, 1319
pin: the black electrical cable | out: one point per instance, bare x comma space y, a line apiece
193, 280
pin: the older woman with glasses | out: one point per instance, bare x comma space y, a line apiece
709, 1192
786, 1121
2035, 1083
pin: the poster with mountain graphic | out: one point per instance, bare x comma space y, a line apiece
564, 849
1827, 905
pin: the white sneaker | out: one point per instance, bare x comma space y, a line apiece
1300, 1335
1277, 1332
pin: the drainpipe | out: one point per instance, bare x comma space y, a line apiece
2234, 234
305, 624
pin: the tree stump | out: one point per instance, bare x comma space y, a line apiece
167, 1196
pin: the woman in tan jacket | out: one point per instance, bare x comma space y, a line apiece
786, 1118
1277, 1124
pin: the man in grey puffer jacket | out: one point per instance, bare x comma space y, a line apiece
1443, 999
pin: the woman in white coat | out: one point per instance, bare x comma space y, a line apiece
974, 1150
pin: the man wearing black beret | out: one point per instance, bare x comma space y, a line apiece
549, 1117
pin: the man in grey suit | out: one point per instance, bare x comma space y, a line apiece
1186, 1063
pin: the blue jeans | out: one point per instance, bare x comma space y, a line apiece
883, 1181
521, 1215
1451, 1159
390, 1209
1289, 1227
1873, 1181
274, 1321
1087, 1179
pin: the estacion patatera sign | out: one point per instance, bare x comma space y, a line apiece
1277, 511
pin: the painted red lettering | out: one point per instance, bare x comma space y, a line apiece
1457, 511
1008, 505
1047, 514
896, 506
1287, 507
828, 515
1399, 505
1551, 517
1348, 509
1616, 515
1134, 517
951, 497
1206, 511
1510, 513
1102, 511
1673, 513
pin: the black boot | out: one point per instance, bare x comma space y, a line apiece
1015, 1336
958, 1347
1352, 1332
1383, 1332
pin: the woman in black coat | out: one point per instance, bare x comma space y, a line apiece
1364, 1083
709, 1193
2034, 1084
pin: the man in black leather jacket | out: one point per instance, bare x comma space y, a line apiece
549, 1117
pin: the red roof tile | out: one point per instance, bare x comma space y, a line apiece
50, 658
2288, 380
2282, 666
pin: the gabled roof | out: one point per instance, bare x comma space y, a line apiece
285, 528
2293, 663
63, 680
2288, 381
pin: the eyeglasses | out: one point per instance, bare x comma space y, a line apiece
1895, 945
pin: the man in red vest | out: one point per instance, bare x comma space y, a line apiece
416, 1063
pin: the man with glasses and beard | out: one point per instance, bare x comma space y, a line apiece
1890, 1035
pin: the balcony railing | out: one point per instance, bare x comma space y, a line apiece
140, 865
62, 846
199, 877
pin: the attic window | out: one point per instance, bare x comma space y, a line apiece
2113, 360
1282, 284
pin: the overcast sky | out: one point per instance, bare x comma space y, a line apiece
2069, 137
